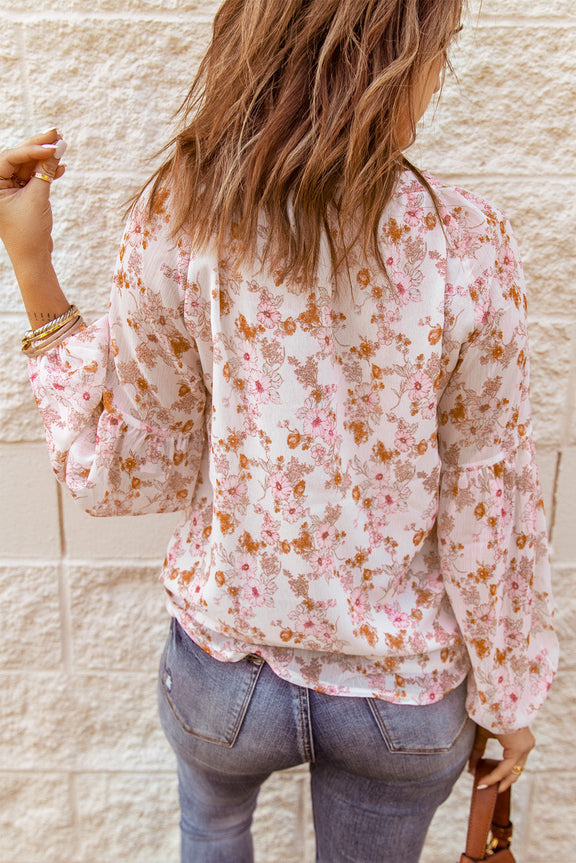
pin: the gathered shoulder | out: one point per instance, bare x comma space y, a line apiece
465, 213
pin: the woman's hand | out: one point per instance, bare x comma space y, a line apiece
26, 222
25, 212
516, 747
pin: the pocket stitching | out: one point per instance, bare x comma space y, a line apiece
408, 750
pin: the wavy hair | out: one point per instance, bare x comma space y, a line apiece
297, 112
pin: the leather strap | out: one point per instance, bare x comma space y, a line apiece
488, 810
498, 857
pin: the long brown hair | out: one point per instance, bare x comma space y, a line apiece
296, 112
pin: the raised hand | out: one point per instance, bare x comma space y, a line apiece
26, 172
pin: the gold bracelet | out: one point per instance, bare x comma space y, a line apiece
44, 342
31, 335
67, 329
36, 348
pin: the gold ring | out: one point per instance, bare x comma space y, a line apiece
42, 176
517, 770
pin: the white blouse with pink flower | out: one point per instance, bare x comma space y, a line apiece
354, 462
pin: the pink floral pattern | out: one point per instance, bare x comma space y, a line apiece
354, 462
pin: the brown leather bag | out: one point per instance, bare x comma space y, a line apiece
489, 826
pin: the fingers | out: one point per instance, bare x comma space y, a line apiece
50, 136
17, 164
516, 746
24, 155
505, 774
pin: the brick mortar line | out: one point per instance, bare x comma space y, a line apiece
47, 772
11, 443
32, 674
505, 175
77, 17
74, 811
571, 397
98, 562
27, 442
489, 20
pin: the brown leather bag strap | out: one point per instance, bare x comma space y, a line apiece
487, 806
501, 824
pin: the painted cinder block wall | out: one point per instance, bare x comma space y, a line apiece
85, 774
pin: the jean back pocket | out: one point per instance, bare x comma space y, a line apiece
422, 729
209, 698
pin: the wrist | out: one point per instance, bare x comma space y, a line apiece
41, 293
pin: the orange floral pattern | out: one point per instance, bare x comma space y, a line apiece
354, 462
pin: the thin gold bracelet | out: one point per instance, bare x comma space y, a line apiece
50, 326
66, 329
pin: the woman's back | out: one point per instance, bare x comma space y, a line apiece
355, 459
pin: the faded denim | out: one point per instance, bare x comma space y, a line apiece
378, 770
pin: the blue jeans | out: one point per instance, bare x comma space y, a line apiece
378, 770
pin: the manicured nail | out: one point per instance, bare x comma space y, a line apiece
48, 146
49, 129
482, 787
60, 149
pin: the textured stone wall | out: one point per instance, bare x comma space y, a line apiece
85, 774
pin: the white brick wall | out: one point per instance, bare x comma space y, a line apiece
85, 774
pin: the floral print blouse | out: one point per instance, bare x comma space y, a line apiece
354, 462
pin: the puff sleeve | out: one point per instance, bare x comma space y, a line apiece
123, 400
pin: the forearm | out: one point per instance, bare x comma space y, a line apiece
42, 295
26, 173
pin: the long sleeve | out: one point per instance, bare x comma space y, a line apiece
491, 523
123, 400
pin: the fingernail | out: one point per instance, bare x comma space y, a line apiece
60, 149
482, 787
49, 129
48, 146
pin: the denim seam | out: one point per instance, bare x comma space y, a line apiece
306, 725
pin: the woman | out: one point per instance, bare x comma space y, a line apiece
320, 356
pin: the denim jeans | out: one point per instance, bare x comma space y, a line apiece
378, 770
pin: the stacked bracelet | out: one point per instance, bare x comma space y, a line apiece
35, 342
